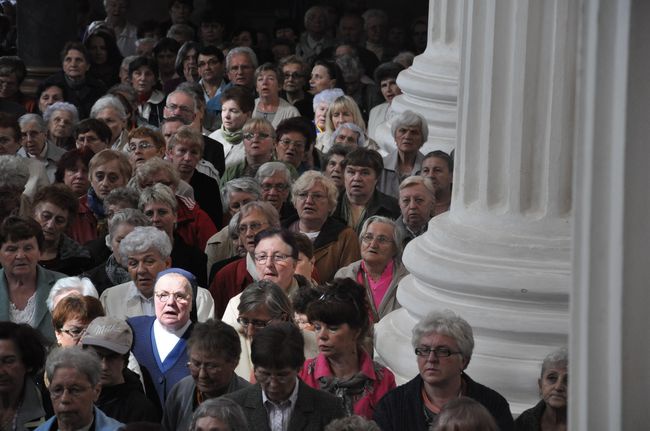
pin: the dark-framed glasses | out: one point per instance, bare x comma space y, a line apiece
438, 352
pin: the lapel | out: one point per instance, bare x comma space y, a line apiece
255, 410
44, 282
303, 409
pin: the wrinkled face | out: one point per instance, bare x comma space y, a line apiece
173, 301
408, 139
273, 261
162, 216
121, 231
21, 257
166, 60
375, 30
267, 84
90, 140
97, 50
348, 137
390, 89
335, 340
143, 80
254, 320
416, 204
185, 156
159, 177
378, 244
143, 269
49, 97
142, 149
106, 178
258, 144
33, 139
360, 181
53, 220
232, 117
9, 145
320, 80
320, 116
210, 68
291, 148
440, 371
241, 71
334, 170
181, 105
8, 85
294, 78
312, 204
249, 226
438, 170
71, 332
13, 370
75, 65
210, 371
237, 199
60, 124
73, 398
275, 189
553, 387
211, 32
112, 366
208, 423
113, 120
340, 116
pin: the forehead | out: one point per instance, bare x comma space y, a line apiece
434, 339
240, 59
277, 177
52, 90
208, 57
61, 113
320, 70
379, 227
348, 132
68, 374
253, 215
73, 53
416, 189
160, 177
109, 167
436, 162
173, 283
180, 99
8, 347
32, 125
151, 253
293, 135
292, 67
107, 113
266, 73
7, 131
273, 244
49, 206
156, 205
239, 195
171, 126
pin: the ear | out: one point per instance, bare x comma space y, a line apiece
168, 262
96, 391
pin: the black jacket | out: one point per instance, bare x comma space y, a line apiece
207, 194
379, 204
127, 402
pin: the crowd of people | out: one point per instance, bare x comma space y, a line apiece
199, 231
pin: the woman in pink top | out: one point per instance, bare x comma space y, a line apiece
343, 367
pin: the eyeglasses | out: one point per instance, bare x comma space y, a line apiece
255, 226
293, 75
281, 377
74, 332
275, 258
174, 107
132, 147
73, 391
179, 297
303, 196
381, 239
257, 324
438, 352
281, 187
259, 135
209, 367
288, 142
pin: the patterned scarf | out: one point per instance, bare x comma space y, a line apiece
95, 204
349, 390
116, 272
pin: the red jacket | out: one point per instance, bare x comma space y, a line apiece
84, 226
229, 281
193, 224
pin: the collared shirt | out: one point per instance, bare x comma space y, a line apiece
280, 413
166, 339
147, 304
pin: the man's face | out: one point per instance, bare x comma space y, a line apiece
211, 32
408, 139
416, 204
33, 139
360, 182
169, 128
276, 384
275, 189
112, 119
8, 85
294, 78
180, 105
9, 145
75, 65
438, 170
73, 398
241, 71
112, 366
106, 178
210, 68
143, 269
211, 372
185, 156
173, 301
350, 29
375, 30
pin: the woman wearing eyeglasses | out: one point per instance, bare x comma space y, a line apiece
380, 269
344, 367
443, 344
71, 317
259, 140
144, 144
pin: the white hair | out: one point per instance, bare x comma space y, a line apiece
83, 286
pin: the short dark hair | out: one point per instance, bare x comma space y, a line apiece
278, 346
212, 50
59, 195
336, 149
439, 154
78, 46
388, 70
166, 44
94, 125
13, 64
285, 235
189, 3
69, 159
300, 125
9, 121
15, 228
304, 244
29, 343
366, 158
243, 97
143, 61
334, 71
304, 296
216, 338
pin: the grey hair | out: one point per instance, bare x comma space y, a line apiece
224, 409
182, 30
327, 96
426, 182
404, 58
239, 50
61, 106
153, 165
233, 224
33, 118
122, 195
84, 286
126, 62
464, 413
410, 119
269, 294
84, 361
243, 185
143, 238
14, 172
373, 13
144, 40
361, 141
271, 168
307, 181
188, 92
125, 89
313, 10
266, 208
352, 423
558, 357
106, 102
350, 66
158, 193
130, 216
398, 233
446, 322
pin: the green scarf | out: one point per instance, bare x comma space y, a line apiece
233, 138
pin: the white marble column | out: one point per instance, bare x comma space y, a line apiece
501, 256
430, 85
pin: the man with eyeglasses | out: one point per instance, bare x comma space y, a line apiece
212, 82
280, 400
275, 180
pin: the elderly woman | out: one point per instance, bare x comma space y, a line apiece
321, 103
443, 343
410, 131
54, 208
72, 315
92, 134
550, 414
33, 134
344, 367
111, 111
259, 140
219, 413
76, 372
348, 134
159, 204
72, 170
295, 144
275, 179
386, 78
342, 110
24, 285
417, 200
48, 94
143, 73
235, 276
61, 119
109, 170
213, 350
144, 144
335, 244
270, 105
70, 286
23, 352
380, 269
332, 165
111, 272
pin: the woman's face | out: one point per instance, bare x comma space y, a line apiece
14, 370
335, 340
77, 178
273, 261
313, 205
291, 147
320, 80
121, 231
107, 177
256, 318
237, 199
377, 245
20, 258
142, 149
243, 39
334, 170
49, 97
553, 387
143, 80
97, 50
259, 144
408, 139
162, 216
71, 331
190, 66
390, 89
53, 220
340, 116
211, 372
320, 116
166, 60
267, 84
112, 119
61, 123
232, 117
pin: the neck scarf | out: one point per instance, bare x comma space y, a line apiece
349, 390
95, 204
233, 138
115, 272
